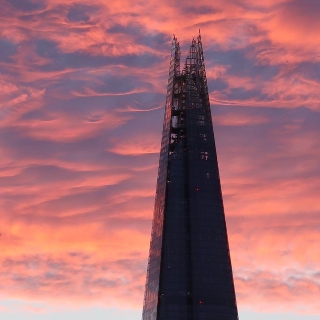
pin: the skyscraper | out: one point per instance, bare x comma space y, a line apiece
189, 273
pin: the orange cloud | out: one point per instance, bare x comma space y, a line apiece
239, 120
68, 129
78, 174
135, 146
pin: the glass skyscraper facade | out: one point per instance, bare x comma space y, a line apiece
189, 273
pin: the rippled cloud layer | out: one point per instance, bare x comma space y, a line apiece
82, 90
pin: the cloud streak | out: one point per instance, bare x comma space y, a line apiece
82, 90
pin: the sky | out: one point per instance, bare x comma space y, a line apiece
82, 94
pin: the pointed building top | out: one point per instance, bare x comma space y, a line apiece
199, 37
189, 270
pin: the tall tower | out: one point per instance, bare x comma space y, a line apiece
189, 273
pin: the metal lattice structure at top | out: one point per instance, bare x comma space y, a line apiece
189, 273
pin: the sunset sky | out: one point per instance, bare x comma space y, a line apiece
82, 94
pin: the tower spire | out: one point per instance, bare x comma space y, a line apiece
189, 270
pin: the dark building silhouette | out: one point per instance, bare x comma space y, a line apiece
189, 271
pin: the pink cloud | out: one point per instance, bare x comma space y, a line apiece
82, 90
135, 146
89, 93
239, 120
63, 128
